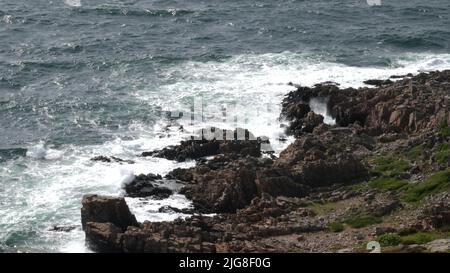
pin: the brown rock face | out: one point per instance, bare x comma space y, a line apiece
103, 237
237, 232
105, 209
325, 159
407, 106
222, 191
279, 182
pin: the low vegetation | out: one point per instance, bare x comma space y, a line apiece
363, 221
438, 182
388, 183
391, 165
389, 239
444, 129
443, 152
416, 238
336, 227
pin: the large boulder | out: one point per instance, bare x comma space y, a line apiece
106, 209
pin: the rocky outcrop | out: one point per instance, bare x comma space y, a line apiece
213, 141
106, 209
226, 189
410, 105
143, 186
389, 139
239, 232
111, 159
324, 159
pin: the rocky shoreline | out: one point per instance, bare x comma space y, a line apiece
381, 173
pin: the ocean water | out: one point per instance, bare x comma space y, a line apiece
81, 78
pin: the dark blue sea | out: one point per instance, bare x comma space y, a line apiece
81, 78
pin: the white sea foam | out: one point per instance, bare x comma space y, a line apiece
39, 151
253, 86
320, 106
73, 3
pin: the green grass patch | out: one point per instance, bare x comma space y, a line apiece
387, 183
391, 165
444, 129
363, 221
327, 207
420, 238
389, 239
443, 152
438, 182
414, 153
336, 227
415, 238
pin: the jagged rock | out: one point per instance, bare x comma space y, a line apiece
142, 186
180, 175
213, 142
224, 233
111, 159
170, 209
105, 209
319, 160
378, 82
222, 190
279, 182
103, 237
63, 228
411, 105
311, 121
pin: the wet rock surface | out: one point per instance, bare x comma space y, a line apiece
111, 159
144, 186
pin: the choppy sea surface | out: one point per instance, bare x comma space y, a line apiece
82, 78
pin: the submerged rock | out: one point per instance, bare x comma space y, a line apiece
110, 159
63, 228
